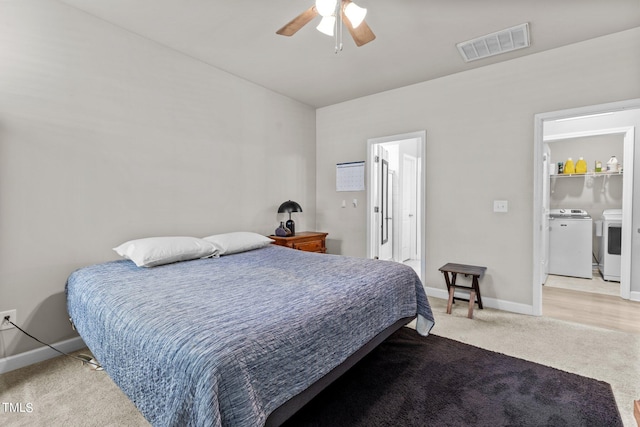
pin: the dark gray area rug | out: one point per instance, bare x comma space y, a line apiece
411, 380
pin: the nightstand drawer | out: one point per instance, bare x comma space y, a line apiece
313, 246
308, 241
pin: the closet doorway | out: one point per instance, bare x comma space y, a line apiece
396, 199
577, 243
622, 119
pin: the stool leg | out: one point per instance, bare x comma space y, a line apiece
452, 290
472, 301
476, 286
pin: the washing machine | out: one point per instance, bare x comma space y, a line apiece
609, 255
570, 243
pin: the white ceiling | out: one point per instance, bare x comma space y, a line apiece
416, 39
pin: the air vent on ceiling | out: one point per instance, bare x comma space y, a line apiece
496, 43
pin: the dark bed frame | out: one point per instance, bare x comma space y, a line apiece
290, 407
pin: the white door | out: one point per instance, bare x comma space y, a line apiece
409, 204
546, 195
386, 207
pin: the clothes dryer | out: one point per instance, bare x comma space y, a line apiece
610, 259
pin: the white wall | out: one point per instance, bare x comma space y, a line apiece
591, 193
106, 136
480, 137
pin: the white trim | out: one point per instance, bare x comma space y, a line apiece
634, 296
40, 354
497, 304
627, 212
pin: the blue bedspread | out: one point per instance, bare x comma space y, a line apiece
225, 341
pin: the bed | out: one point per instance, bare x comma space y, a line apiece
238, 340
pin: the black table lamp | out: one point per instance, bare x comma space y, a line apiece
290, 206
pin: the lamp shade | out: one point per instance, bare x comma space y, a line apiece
289, 206
326, 7
327, 25
355, 13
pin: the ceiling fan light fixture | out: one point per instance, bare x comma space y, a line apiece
354, 13
326, 7
348, 14
327, 25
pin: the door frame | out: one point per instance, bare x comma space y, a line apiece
538, 177
421, 137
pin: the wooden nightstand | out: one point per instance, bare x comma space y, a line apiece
309, 241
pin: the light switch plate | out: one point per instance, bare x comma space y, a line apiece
500, 206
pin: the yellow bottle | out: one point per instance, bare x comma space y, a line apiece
581, 166
568, 166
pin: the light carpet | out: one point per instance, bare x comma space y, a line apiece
63, 392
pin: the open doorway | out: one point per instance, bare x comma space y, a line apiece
396, 199
619, 119
580, 204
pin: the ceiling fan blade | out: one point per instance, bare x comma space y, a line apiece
361, 35
298, 22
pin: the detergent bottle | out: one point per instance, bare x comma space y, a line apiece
569, 167
581, 166
612, 164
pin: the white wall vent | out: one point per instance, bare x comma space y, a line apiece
496, 43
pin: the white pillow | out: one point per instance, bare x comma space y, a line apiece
153, 251
238, 241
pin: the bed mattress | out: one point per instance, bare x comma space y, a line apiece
225, 341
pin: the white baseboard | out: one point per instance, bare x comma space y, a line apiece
498, 304
41, 354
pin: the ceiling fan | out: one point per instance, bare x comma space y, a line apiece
334, 12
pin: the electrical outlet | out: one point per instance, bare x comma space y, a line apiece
12, 316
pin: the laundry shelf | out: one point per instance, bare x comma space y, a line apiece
575, 175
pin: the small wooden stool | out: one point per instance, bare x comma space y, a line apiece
468, 270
